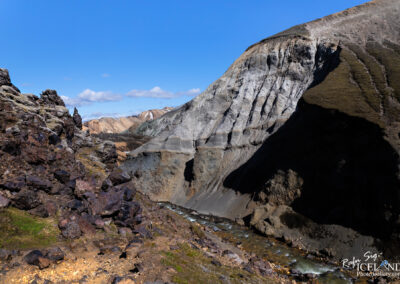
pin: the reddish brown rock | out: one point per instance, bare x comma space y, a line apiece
82, 186
71, 230
37, 258
106, 203
55, 254
4, 201
85, 226
118, 177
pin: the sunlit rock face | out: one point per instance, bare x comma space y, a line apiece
126, 124
299, 136
208, 137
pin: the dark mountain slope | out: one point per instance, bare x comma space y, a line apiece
300, 136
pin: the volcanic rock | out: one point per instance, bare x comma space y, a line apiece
77, 119
50, 97
62, 176
71, 230
4, 201
118, 176
37, 258
55, 254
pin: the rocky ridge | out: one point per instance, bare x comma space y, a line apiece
50, 168
227, 152
69, 215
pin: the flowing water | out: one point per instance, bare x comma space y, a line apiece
285, 258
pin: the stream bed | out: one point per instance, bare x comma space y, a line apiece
291, 260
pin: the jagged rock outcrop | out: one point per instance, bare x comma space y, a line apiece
122, 124
300, 137
77, 119
5, 79
50, 168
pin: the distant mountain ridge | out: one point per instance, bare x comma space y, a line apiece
120, 124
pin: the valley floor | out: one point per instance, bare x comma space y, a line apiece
170, 249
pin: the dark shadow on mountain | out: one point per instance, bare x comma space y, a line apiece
349, 170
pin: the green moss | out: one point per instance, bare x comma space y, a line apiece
195, 228
93, 168
193, 266
20, 230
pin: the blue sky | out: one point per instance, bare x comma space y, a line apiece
120, 57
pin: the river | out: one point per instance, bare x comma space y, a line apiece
288, 261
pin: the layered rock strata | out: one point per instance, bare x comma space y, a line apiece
322, 173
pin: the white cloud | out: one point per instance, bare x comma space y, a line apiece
194, 91
69, 102
105, 75
89, 96
92, 96
98, 115
157, 92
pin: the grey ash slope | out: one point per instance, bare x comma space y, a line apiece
247, 147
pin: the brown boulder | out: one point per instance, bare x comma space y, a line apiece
26, 199
106, 203
37, 258
118, 176
55, 254
4, 201
62, 176
38, 183
85, 226
71, 229
15, 184
129, 214
82, 186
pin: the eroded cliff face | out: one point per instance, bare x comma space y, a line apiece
320, 174
202, 142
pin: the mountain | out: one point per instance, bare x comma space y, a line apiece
118, 125
298, 139
69, 215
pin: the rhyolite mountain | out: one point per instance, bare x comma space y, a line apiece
300, 137
121, 124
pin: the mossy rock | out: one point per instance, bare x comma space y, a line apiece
93, 167
21, 230
195, 228
193, 266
